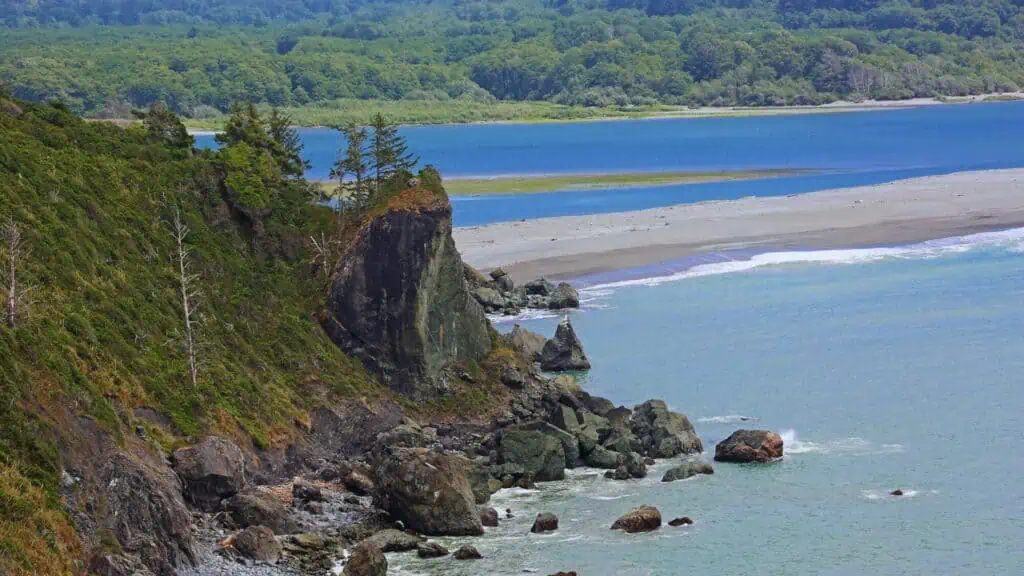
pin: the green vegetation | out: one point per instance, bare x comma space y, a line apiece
328, 63
534, 184
104, 333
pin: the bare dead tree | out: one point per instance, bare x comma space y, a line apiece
189, 291
17, 293
322, 253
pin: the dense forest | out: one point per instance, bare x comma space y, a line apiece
104, 57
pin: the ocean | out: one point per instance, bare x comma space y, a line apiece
882, 368
842, 150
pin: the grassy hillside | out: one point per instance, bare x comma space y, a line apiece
104, 334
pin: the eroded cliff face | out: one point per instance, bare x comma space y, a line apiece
399, 301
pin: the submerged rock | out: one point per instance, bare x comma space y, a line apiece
749, 446
896, 492
564, 352
258, 543
684, 521
641, 519
687, 470
428, 491
366, 560
545, 522
212, 470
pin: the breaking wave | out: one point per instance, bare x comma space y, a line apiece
727, 419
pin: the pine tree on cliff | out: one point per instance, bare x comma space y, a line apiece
389, 152
244, 125
288, 144
353, 163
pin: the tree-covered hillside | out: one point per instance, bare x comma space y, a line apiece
569, 52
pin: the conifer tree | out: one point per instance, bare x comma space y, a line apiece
389, 152
353, 163
288, 145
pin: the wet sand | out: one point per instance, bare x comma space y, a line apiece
901, 212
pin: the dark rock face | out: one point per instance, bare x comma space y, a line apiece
429, 492
253, 508
684, 521
366, 560
431, 550
663, 433
118, 565
399, 301
392, 540
146, 513
687, 470
642, 519
529, 343
212, 470
749, 446
564, 352
258, 543
467, 552
545, 522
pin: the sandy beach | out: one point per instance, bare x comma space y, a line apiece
901, 212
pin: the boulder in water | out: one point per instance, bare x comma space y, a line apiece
467, 552
545, 522
896, 492
536, 448
392, 540
749, 446
684, 521
563, 296
489, 517
431, 550
687, 470
564, 352
641, 519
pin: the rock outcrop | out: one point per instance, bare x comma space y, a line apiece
641, 519
663, 433
687, 470
212, 470
536, 448
392, 540
564, 352
146, 513
467, 552
749, 446
118, 565
498, 294
428, 491
529, 343
431, 550
399, 299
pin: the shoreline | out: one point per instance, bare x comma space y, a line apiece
682, 112
894, 214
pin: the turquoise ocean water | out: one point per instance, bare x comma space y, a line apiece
882, 368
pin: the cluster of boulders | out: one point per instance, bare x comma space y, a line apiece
562, 353
498, 294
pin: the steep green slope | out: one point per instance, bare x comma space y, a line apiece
104, 333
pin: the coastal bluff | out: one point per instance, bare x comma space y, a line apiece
398, 300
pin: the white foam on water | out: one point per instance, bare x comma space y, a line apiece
727, 419
851, 445
1011, 239
619, 497
886, 494
526, 314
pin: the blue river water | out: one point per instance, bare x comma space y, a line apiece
844, 149
882, 368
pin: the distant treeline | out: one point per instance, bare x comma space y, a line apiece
580, 53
